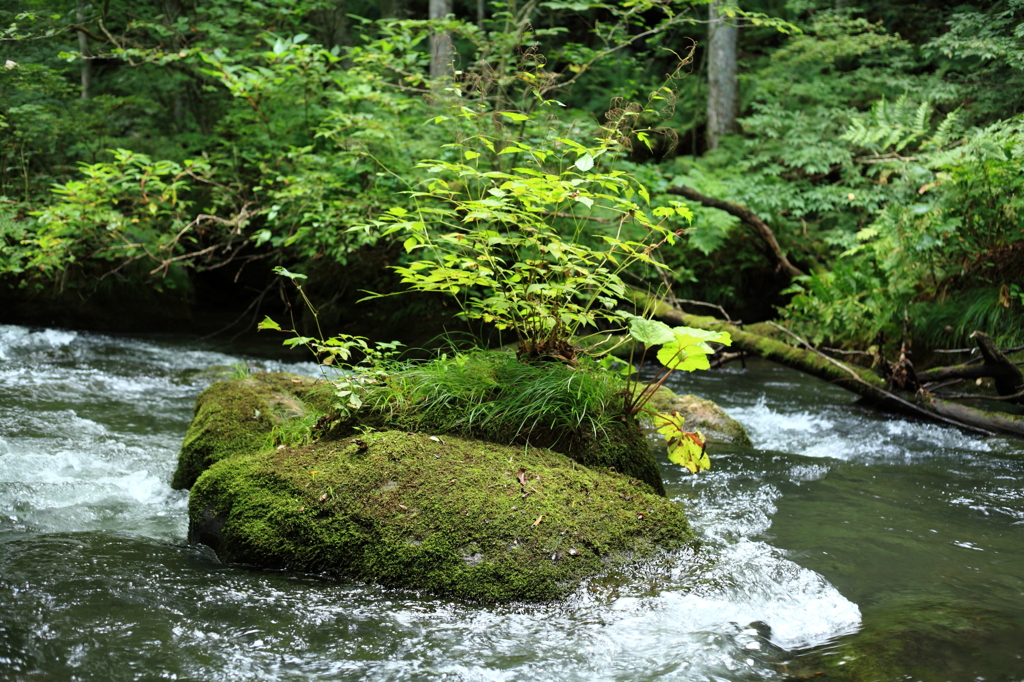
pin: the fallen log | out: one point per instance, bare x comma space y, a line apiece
772, 342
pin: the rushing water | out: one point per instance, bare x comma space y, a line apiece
844, 536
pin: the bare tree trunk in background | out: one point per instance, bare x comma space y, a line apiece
83, 47
481, 12
172, 10
722, 89
440, 43
332, 26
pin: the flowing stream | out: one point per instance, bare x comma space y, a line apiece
845, 542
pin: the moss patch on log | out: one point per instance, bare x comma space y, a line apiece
468, 519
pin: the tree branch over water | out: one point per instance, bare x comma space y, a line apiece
749, 218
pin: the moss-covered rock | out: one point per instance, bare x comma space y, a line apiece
469, 519
237, 416
574, 410
620, 447
701, 415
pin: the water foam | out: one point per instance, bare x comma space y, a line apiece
848, 433
19, 340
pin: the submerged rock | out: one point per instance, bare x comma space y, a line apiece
702, 415
458, 517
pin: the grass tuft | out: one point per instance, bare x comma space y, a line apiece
495, 396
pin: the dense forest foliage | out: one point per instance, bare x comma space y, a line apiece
172, 150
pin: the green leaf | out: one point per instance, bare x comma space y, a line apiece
685, 448
262, 237
515, 116
585, 162
268, 323
683, 358
410, 244
702, 335
286, 273
650, 332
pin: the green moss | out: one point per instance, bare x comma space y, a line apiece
576, 411
234, 417
444, 514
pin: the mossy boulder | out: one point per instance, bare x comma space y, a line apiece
453, 516
398, 506
237, 416
619, 447
701, 415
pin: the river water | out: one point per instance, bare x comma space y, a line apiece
845, 542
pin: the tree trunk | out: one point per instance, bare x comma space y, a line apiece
481, 12
722, 88
332, 26
771, 342
83, 47
440, 42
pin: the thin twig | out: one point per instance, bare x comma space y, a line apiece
712, 305
965, 396
975, 348
933, 386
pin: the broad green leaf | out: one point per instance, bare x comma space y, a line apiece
701, 335
650, 332
515, 116
683, 358
299, 341
410, 244
585, 162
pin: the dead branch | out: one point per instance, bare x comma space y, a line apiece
750, 218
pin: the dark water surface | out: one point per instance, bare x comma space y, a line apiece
845, 543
